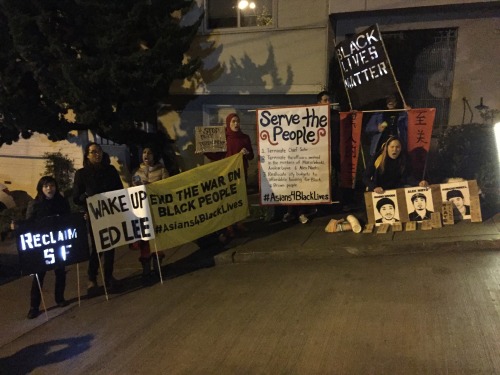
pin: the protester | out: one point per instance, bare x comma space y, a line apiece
387, 124
300, 211
97, 176
150, 170
236, 142
48, 202
390, 170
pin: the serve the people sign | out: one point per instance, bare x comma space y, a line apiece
294, 155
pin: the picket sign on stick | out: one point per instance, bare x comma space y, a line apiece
78, 283
102, 277
41, 295
158, 262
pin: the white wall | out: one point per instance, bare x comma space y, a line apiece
22, 163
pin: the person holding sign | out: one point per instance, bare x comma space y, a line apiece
97, 176
390, 170
237, 142
48, 202
150, 170
383, 125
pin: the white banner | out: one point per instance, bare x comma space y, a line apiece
120, 217
294, 155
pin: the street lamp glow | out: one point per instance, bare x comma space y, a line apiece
252, 5
243, 4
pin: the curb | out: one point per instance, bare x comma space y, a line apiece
341, 252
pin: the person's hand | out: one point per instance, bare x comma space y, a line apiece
244, 151
378, 190
382, 126
423, 183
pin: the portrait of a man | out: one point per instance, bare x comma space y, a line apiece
387, 210
460, 209
421, 212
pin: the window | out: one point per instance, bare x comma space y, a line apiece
239, 13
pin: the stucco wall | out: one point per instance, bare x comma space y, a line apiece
337, 6
22, 163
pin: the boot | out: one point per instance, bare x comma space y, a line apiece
155, 264
146, 271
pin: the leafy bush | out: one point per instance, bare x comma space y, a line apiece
468, 151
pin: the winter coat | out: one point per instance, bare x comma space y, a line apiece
95, 179
150, 174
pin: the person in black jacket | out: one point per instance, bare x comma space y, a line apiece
48, 202
390, 170
97, 176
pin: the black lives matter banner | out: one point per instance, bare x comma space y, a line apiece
366, 69
54, 241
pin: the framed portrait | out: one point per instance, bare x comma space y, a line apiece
458, 193
385, 208
419, 203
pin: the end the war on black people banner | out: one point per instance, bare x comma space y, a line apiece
172, 211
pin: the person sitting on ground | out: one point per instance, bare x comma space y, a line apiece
48, 202
387, 210
390, 170
236, 142
150, 170
421, 212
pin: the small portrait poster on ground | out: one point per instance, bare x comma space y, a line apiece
458, 194
210, 139
385, 207
294, 155
120, 217
419, 203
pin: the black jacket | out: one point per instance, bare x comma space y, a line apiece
38, 209
92, 180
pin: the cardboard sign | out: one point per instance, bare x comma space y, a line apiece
451, 201
366, 70
210, 139
54, 241
294, 155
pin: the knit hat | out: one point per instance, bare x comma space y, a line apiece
383, 202
454, 194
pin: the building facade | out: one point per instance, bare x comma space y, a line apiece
281, 53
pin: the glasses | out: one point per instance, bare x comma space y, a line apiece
94, 152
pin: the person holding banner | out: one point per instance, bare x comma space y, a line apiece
385, 124
48, 202
150, 170
236, 142
390, 170
97, 176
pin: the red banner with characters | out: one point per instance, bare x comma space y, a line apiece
350, 144
420, 123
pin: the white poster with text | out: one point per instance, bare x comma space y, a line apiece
120, 217
294, 155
